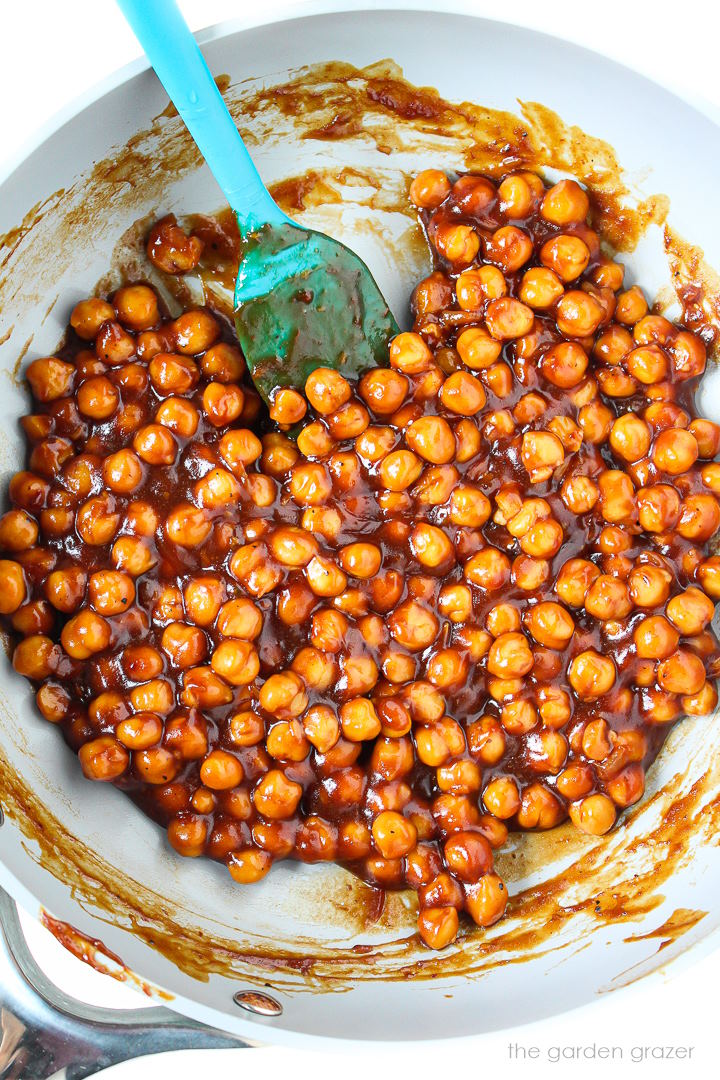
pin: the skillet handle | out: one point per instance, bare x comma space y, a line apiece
45, 1033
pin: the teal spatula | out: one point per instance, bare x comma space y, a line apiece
302, 300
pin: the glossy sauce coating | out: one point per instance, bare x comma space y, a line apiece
474, 594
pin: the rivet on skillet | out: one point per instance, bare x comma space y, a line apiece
254, 1002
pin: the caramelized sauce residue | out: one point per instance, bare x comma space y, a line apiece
97, 956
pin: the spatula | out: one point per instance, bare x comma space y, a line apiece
302, 299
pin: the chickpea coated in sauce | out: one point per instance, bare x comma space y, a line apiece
390, 618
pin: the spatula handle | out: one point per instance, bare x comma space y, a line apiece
172, 50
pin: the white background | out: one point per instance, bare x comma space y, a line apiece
54, 50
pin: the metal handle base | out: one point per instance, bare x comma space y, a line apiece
46, 1033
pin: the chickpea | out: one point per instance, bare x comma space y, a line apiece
594, 814
627, 787
50, 378
310, 484
683, 672
630, 437
578, 314
222, 404
688, 355
287, 406
474, 287
319, 671
275, 796
463, 394
613, 345
486, 900
171, 249
509, 247
111, 592
658, 508
440, 740
103, 759
459, 244
155, 445
468, 855
237, 662
246, 728
547, 751
502, 798
648, 364
649, 586
114, 345
188, 834
539, 809
436, 485
188, 526
221, 770
675, 451
608, 598
203, 688
580, 494
429, 189
631, 306
490, 569
97, 398
18, 531
53, 701
550, 624
28, 491
283, 695
540, 288
195, 331
88, 316
413, 626
315, 440
455, 603
431, 547
438, 926
591, 675
431, 438
477, 349
507, 318
566, 255
85, 634
542, 453
393, 835
702, 703
469, 506
617, 496
139, 732
13, 592
36, 657
699, 517
279, 454
655, 638
575, 781
179, 416
510, 656
565, 204
517, 196
136, 307
596, 421
239, 448
564, 364
132, 556
690, 611
709, 576
141, 662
